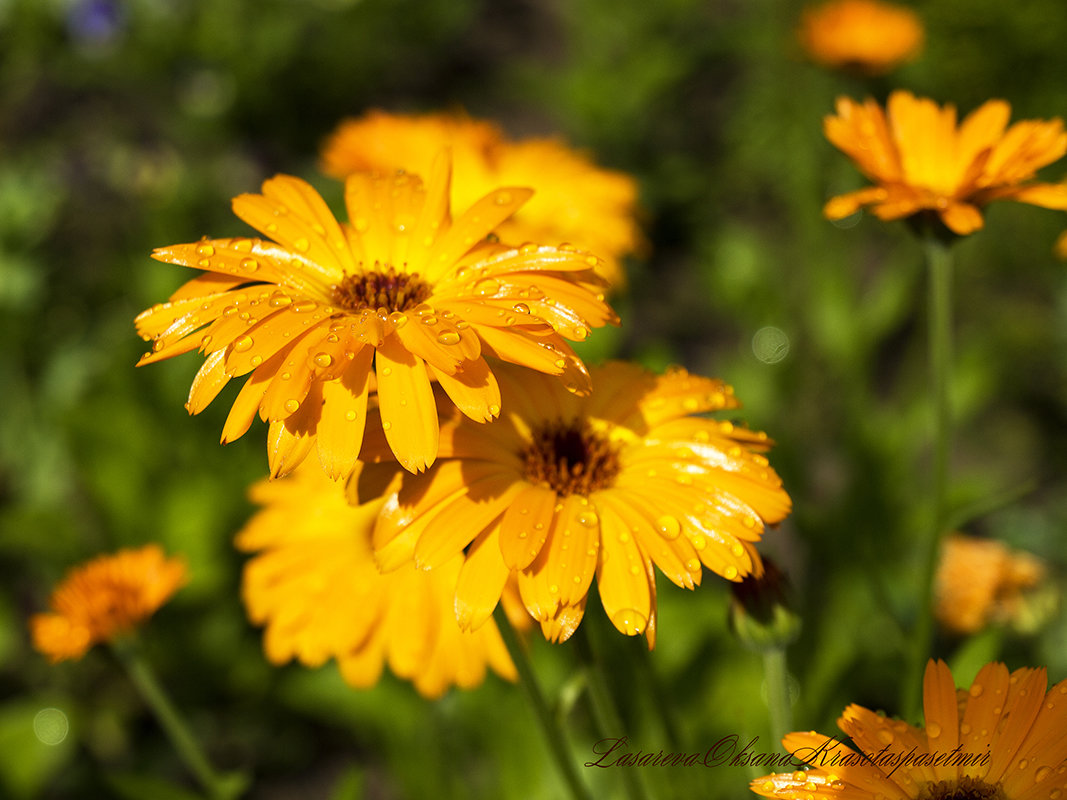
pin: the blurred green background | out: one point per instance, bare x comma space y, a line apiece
129, 125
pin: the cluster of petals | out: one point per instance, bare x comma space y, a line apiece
866, 36
314, 585
104, 599
982, 581
921, 161
326, 314
575, 200
1002, 738
564, 488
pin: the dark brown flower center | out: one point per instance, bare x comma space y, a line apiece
570, 459
963, 789
378, 288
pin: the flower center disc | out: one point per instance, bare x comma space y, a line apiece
570, 459
963, 789
388, 289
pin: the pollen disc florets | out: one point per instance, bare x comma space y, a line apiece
378, 288
570, 458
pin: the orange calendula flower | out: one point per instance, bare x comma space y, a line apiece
922, 162
105, 598
314, 585
563, 488
980, 581
1002, 739
862, 35
575, 200
394, 300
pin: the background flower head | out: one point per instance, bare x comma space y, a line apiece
982, 581
315, 587
922, 162
863, 35
563, 488
396, 298
1001, 738
574, 200
105, 598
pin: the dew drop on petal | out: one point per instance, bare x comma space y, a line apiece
669, 527
399, 320
205, 250
502, 198
292, 405
242, 344
448, 337
976, 690
249, 264
885, 735
730, 572
255, 361
323, 360
629, 621
487, 287
800, 776
387, 371
350, 416
386, 426
494, 410
933, 730
588, 518
522, 308
302, 244
1042, 773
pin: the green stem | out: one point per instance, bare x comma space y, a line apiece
776, 677
555, 736
189, 750
608, 721
939, 264
664, 706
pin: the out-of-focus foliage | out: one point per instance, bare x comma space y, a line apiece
129, 125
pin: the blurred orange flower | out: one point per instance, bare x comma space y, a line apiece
563, 488
922, 162
574, 200
863, 35
105, 598
981, 581
1002, 739
314, 585
397, 298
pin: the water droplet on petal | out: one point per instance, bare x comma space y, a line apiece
249, 264
494, 410
885, 735
302, 244
386, 426
242, 344
350, 416
487, 287
205, 250
629, 621
304, 306
522, 308
323, 360
588, 518
502, 198
976, 690
399, 320
1042, 773
933, 730
448, 337
387, 371
730, 572
669, 527
292, 405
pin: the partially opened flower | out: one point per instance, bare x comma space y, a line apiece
863, 35
923, 163
397, 298
314, 585
575, 201
563, 488
982, 581
105, 598
1002, 739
